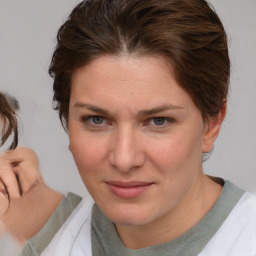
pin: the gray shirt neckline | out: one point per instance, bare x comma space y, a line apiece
106, 242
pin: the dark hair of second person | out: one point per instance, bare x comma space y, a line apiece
8, 119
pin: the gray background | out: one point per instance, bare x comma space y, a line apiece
27, 39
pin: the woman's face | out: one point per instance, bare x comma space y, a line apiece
136, 136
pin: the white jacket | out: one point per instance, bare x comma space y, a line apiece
236, 236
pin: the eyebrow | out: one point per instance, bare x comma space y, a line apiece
142, 113
92, 108
158, 110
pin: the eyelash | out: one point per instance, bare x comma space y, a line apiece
89, 123
167, 121
86, 121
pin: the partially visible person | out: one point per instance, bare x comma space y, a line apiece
26, 203
8, 129
29, 197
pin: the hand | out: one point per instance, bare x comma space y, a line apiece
19, 172
25, 197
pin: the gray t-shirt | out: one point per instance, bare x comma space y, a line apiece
106, 242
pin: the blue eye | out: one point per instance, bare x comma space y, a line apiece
159, 120
93, 121
97, 119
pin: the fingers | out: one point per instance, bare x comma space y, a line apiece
28, 169
4, 199
3, 189
9, 180
22, 154
19, 170
27, 174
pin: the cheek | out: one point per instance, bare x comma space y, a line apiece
167, 151
88, 152
89, 157
176, 153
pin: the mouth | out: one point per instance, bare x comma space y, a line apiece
128, 190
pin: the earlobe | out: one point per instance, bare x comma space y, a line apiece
212, 129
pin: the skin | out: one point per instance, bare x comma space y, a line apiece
36, 203
116, 136
26, 203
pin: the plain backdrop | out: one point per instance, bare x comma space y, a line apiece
27, 38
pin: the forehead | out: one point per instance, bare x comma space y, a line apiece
130, 79
109, 71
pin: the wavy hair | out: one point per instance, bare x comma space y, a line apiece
8, 120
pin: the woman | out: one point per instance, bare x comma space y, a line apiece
141, 88
21, 185
8, 188
8, 125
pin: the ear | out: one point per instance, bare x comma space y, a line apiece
212, 129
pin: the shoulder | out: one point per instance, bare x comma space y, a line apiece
64, 222
237, 234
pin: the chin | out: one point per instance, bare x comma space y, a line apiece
129, 215
129, 220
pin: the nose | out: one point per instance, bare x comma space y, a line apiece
126, 153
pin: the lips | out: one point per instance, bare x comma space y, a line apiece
128, 190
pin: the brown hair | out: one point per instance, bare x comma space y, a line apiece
8, 120
187, 32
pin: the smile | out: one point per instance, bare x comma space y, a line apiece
128, 190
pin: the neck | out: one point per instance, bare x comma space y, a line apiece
192, 208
